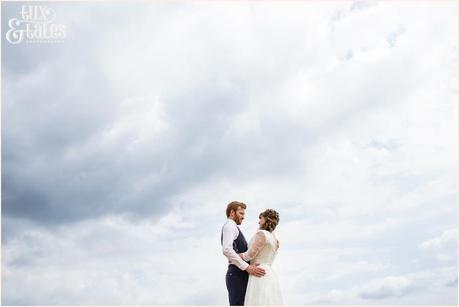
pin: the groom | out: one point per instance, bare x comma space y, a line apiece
233, 243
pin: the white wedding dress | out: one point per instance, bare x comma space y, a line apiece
263, 290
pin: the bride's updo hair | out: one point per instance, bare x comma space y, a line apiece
271, 219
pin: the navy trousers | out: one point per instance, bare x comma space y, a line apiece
236, 283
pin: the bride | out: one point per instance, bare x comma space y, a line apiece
263, 249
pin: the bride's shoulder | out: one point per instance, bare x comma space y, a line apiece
263, 232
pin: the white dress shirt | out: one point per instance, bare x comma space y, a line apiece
230, 232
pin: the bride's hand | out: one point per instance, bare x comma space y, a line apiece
240, 255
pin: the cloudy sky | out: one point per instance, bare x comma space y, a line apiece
122, 145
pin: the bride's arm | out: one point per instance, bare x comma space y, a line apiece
255, 247
277, 242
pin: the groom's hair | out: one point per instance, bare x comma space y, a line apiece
234, 205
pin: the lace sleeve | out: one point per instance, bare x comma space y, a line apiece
256, 244
277, 242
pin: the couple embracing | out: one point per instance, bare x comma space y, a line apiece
250, 279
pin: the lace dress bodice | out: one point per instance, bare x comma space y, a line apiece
262, 248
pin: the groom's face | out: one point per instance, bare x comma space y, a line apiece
239, 215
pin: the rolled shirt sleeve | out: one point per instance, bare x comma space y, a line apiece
230, 233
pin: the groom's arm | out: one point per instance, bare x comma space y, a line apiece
229, 235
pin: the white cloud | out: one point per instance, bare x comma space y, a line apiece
347, 129
443, 247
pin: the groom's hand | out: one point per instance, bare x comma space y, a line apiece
255, 270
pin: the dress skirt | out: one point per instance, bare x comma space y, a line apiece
263, 290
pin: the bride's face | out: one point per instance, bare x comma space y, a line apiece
262, 221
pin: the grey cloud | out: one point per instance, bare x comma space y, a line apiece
389, 145
41, 127
393, 37
385, 291
359, 5
349, 55
70, 153
451, 283
68, 109
353, 8
194, 149
67, 104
